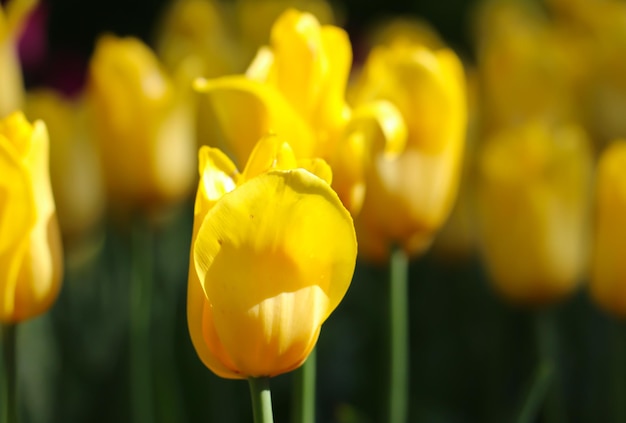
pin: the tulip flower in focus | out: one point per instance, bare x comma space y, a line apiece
296, 88
533, 208
273, 253
12, 17
144, 125
74, 166
30, 246
410, 196
608, 270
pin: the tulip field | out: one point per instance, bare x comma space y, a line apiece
313, 211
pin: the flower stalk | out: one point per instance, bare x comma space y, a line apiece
261, 399
9, 374
140, 312
399, 334
304, 391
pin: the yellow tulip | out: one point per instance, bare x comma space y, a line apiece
273, 252
529, 68
608, 275
11, 84
533, 201
144, 125
30, 246
74, 167
410, 196
296, 88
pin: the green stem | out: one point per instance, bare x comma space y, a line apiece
261, 399
536, 393
618, 371
140, 312
399, 334
304, 391
547, 351
9, 374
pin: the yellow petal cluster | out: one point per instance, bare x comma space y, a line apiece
273, 253
30, 247
533, 200
144, 125
295, 88
608, 270
410, 195
12, 17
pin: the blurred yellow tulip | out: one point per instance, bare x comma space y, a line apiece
296, 88
74, 165
608, 270
529, 68
30, 246
409, 197
12, 17
144, 125
198, 28
534, 187
273, 253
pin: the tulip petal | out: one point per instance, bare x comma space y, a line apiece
269, 153
201, 327
266, 111
608, 281
317, 167
299, 60
274, 270
382, 125
16, 191
218, 175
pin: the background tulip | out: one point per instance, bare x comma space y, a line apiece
75, 171
533, 203
272, 256
608, 271
30, 247
409, 197
296, 89
143, 125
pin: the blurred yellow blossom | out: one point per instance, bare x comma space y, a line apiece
273, 253
74, 166
529, 68
12, 17
409, 197
197, 28
144, 125
533, 202
296, 89
30, 246
608, 274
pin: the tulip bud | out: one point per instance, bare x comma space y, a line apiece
410, 195
30, 247
273, 253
